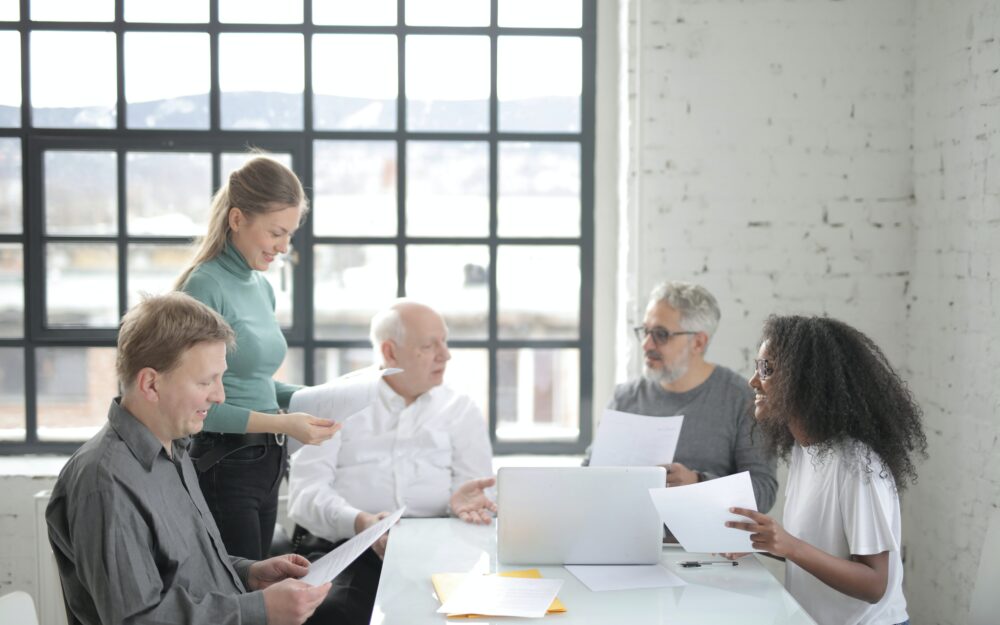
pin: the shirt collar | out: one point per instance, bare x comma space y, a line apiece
136, 436
395, 401
139, 439
233, 262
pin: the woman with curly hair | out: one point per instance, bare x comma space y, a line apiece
827, 397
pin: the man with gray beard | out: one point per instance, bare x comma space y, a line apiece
716, 403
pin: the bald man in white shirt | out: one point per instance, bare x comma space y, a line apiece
420, 444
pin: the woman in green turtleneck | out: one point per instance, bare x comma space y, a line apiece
240, 454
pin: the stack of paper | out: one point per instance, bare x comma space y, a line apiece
511, 593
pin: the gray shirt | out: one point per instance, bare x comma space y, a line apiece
715, 439
134, 540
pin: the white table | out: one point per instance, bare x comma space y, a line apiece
746, 594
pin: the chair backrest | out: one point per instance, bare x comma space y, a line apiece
18, 607
985, 605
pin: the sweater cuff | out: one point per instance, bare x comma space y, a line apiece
252, 610
227, 419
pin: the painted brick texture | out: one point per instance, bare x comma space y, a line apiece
840, 158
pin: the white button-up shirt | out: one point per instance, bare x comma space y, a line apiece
389, 455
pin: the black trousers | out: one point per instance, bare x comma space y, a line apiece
241, 490
352, 596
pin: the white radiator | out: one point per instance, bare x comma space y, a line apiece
51, 610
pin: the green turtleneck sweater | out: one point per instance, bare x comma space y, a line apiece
245, 300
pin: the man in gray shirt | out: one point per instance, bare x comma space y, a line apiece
715, 439
133, 537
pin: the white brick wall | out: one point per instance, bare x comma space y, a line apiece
839, 158
953, 340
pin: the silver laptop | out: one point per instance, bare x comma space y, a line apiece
578, 515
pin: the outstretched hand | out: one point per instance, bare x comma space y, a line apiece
470, 503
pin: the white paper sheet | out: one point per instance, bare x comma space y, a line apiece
696, 514
601, 578
332, 564
625, 439
492, 595
340, 398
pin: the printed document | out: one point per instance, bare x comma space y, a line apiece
696, 514
631, 440
332, 564
492, 595
338, 399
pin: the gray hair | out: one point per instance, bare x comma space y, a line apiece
698, 308
387, 325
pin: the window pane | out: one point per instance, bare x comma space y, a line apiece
75, 11
167, 193
175, 11
81, 285
11, 290
468, 373
81, 193
448, 12
355, 188
231, 161
447, 82
534, 14
261, 79
73, 79
355, 82
539, 82
260, 11
292, 370
538, 394
10, 79
352, 12
454, 280
153, 268
539, 190
10, 10
538, 291
167, 90
281, 275
352, 283
75, 389
447, 190
12, 394
11, 208
334, 362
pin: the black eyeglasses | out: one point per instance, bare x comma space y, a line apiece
660, 335
764, 368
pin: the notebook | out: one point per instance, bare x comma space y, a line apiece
578, 515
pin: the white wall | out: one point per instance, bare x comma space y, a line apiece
953, 322
838, 158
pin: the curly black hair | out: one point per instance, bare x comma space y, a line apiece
839, 387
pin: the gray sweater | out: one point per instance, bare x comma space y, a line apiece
715, 439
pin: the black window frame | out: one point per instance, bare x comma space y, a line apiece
35, 141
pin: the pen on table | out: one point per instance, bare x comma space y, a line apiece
695, 563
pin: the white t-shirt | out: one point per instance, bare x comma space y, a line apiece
834, 504
389, 455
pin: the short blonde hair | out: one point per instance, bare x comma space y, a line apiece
156, 332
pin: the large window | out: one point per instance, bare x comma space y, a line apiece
446, 145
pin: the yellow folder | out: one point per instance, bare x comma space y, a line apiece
446, 583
